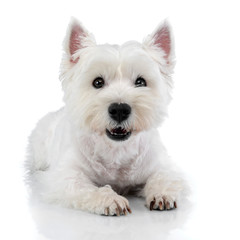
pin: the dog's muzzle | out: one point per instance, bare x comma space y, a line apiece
119, 112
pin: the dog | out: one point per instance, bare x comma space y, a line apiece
104, 143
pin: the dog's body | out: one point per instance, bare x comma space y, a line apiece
105, 141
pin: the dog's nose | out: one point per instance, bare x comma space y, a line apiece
119, 111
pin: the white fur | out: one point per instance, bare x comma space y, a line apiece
71, 160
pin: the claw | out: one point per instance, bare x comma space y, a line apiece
152, 204
106, 211
129, 209
119, 208
167, 205
161, 205
117, 212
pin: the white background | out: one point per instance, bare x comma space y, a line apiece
202, 133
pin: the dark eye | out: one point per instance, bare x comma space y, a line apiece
140, 82
98, 82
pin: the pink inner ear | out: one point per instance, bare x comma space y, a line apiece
163, 39
75, 40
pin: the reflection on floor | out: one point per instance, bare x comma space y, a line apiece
58, 223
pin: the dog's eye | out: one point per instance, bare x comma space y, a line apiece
98, 82
140, 82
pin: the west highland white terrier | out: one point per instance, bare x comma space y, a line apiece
104, 143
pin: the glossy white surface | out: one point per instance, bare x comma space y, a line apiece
201, 134
60, 224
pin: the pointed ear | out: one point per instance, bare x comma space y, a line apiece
77, 37
162, 39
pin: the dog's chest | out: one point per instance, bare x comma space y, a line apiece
119, 165
117, 171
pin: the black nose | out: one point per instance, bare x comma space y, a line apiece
119, 111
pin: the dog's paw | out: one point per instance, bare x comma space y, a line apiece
161, 202
162, 191
109, 203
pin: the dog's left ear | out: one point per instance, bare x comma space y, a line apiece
161, 41
77, 37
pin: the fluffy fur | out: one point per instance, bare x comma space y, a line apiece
72, 161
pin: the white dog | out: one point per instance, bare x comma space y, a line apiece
105, 141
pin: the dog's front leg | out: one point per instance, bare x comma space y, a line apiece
163, 189
77, 191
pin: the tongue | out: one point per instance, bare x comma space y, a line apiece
119, 130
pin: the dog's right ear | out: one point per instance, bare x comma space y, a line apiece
77, 37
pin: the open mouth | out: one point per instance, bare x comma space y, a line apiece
118, 134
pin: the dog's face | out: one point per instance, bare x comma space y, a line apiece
117, 91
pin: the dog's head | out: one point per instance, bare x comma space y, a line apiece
117, 91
